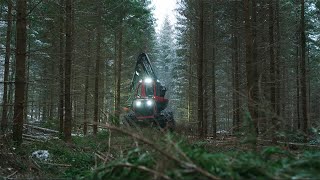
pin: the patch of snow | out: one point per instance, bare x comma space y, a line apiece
3, 24
42, 155
39, 42
110, 62
222, 132
77, 134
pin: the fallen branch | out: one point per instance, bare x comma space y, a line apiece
32, 139
164, 153
100, 156
291, 143
35, 164
11, 175
41, 129
143, 168
55, 164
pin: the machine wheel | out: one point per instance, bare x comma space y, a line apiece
166, 121
128, 120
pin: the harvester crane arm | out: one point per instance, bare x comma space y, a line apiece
142, 69
148, 102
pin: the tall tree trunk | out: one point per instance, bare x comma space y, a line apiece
86, 88
52, 84
27, 84
200, 71
279, 65
280, 69
119, 69
68, 62
189, 84
251, 76
206, 99
212, 48
272, 72
213, 94
303, 70
298, 125
207, 15
4, 119
20, 70
254, 64
97, 76
11, 90
236, 74
61, 69
115, 72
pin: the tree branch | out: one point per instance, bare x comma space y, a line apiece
143, 168
164, 153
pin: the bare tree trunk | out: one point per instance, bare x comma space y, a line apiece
236, 74
251, 75
272, 72
278, 63
68, 62
207, 41
298, 88
213, 94
27, 83
280, 69
200, 71
4, 119
97, 76
119, 69
86, 88
61, 70
20, 70
254, 66
11, 90
52, 85
206, 99
213, 71
303, 78
189, 85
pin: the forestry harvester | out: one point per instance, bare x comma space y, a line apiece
147, 104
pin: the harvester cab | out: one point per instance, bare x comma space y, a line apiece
148, 103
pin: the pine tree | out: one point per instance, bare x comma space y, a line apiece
19, 95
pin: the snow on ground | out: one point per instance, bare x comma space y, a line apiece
42, 155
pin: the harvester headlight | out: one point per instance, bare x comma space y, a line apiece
148, 80
149, 103
138, 103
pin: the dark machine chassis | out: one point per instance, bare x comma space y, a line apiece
164, 121
148, 102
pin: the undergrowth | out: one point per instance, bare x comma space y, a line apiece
270, 163
168, 157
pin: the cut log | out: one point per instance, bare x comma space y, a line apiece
41, 129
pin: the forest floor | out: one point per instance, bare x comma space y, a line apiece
152, 154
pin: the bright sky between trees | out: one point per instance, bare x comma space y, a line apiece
164, 8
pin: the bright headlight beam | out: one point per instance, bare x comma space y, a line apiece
138, 103
149, 102
148, 80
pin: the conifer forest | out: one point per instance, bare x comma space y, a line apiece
100, 89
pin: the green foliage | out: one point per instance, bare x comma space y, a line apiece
316, 136
78, 157
318, 5
270, 163
293, 136
131, 160
116, 169
251, 135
